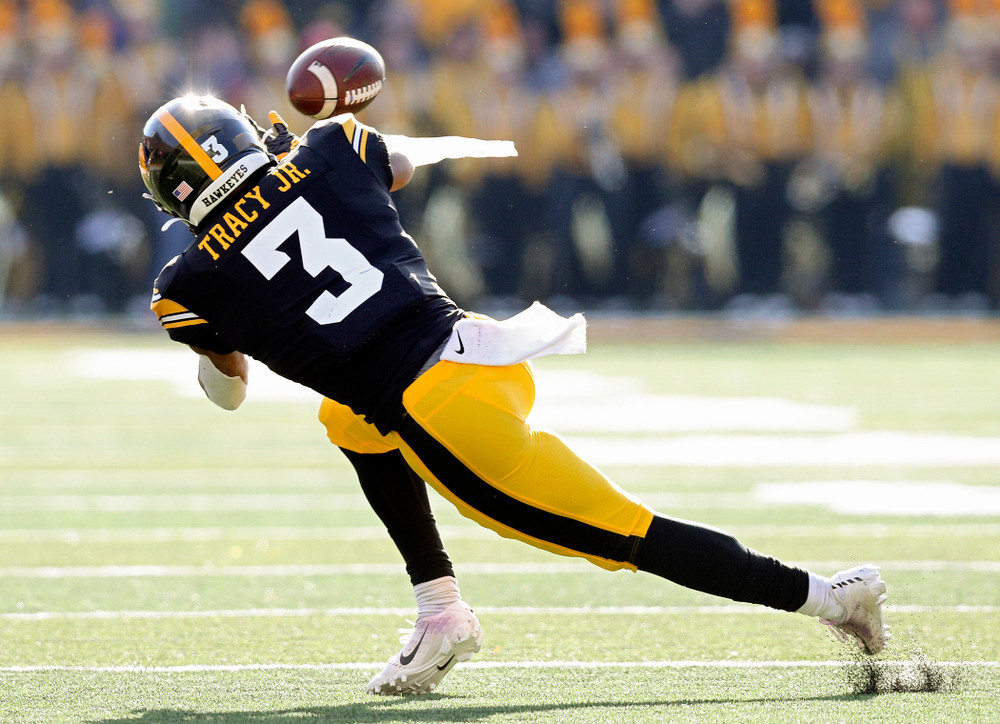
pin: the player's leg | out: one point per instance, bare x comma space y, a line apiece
399, 499
465, 433
713, 561
446, 630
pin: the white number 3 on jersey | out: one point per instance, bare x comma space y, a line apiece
318, 253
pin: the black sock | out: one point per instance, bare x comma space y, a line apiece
709, 560
399, 498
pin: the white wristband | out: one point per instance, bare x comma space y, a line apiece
226, 392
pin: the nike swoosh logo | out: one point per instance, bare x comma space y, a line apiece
405, 659
444, 666
461, 345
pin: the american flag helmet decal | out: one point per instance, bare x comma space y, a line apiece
182, 190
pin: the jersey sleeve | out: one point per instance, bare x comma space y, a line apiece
181, 323
370, 146
327, 136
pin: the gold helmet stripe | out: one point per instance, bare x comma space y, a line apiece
190, 145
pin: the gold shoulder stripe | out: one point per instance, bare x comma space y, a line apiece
190, 145
348, 126
362, 150
357, 136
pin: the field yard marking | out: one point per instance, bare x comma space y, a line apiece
807, 450
74, 536
318, 569
232, 476
890, 498
855, 449
364, 666
267, 502
975, 500
337, 569
725, 610
194, 502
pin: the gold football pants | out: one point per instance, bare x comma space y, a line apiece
465, 433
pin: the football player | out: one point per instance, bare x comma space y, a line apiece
303, 265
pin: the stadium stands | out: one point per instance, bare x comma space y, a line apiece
688, 155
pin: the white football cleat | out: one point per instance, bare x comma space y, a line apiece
861, 591
436, 644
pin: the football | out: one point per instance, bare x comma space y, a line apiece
338, 75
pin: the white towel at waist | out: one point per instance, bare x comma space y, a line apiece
535, 332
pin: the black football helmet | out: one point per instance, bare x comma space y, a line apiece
195, 151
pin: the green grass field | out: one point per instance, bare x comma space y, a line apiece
162, 560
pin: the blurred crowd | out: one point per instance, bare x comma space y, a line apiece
769, 156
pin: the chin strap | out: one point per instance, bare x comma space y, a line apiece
174, 220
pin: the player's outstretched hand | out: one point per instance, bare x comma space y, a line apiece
278, 139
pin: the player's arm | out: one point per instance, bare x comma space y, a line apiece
223, 377
402, 169
280, 141
431, 150
222, 371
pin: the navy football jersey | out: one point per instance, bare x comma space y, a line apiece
310, 272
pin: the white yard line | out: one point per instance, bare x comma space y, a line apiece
904, 499
340, 569
50, 480
855, 449
899, 499
364, 666
294, 502
196, 503
73, 536
726, 610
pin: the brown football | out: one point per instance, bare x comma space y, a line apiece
339, 75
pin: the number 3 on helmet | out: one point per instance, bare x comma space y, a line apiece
195, 151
